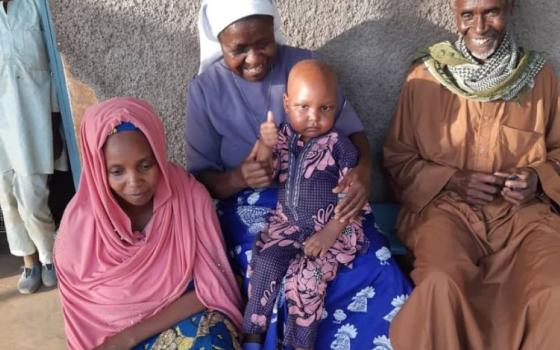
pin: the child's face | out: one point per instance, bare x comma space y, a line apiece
310, 103
132, 170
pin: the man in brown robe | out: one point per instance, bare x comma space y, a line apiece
474, 155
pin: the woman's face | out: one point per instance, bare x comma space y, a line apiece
132, 170
249, 46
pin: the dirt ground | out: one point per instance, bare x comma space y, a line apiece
27, 321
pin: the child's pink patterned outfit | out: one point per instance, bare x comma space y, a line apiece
307, 174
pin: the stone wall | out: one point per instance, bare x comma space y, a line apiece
149, 49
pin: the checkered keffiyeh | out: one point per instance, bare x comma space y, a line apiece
504, 76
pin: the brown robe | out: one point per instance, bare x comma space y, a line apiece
487, 277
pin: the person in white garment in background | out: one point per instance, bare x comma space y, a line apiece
30, 141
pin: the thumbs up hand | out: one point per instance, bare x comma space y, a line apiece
268, 131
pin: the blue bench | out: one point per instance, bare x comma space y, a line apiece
385, 218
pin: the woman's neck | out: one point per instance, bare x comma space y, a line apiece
139, 215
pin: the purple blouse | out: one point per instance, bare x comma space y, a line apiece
225, 111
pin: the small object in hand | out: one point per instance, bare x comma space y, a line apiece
514, 178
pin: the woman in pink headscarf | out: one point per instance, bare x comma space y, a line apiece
139, 255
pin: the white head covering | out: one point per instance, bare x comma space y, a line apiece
216, 15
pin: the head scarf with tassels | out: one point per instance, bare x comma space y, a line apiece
508, 73
111, 277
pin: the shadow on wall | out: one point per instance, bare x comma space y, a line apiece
145, 50
149, 50
371, 60
536, 26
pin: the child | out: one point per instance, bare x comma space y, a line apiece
303, 244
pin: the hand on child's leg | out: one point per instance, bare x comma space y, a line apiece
321, 241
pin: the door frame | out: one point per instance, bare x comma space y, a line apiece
57, 71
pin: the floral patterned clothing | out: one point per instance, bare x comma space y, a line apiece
208, 330
360, 302
307, 174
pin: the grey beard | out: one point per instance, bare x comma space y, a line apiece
485, 55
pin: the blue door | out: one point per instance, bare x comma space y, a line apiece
61, 90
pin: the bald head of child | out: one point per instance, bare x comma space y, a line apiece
311, 98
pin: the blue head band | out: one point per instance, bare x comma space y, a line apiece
124, 126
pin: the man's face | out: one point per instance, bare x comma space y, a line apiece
482, 24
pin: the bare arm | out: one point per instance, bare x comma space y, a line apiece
357, 183
222, 184
255, 171
320, 242
251, 173
264, 153
186, 305
365, 160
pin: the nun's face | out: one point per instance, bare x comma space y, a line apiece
249, 47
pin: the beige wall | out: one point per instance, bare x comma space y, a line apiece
149, 48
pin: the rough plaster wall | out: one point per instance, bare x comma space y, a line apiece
149, 49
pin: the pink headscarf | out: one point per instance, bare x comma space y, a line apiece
111, 277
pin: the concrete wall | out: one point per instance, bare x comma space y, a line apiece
149, 49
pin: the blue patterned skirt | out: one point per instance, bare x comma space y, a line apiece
361, 301
208, 330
